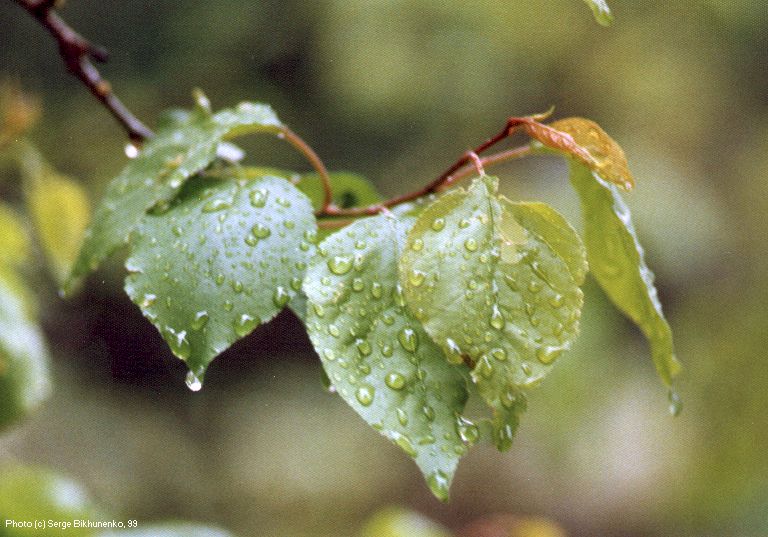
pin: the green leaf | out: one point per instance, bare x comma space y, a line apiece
225, 257
14, 242
495, 284
37, 494
617, 262
60, 212
601, 11
24, 380
184, 147
399, 522
349, 190
376, 354
178, 529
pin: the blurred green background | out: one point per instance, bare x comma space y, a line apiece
396, 90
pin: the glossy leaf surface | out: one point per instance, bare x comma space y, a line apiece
186, 145
617, 262
226, 256
377, 356
496, 285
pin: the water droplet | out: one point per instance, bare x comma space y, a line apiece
200, 320
527, 369
260, 231
438, 484
245, 324
546, 355
416, 278
193, 382
508, 399
454, 352
402, 417
363, 347
534, 286
396, 381
557, 301
467, 431
675, 403
408, 339
216, 204
497, 319
470, 245
148, 300
464, 223
484, 367
405, 444
340, 265
358, 284
178, 342
499, 354
429, 412
329, 355
281, 297
438, 224
365, 394
417, 245
376, 290
258, 198
131, 151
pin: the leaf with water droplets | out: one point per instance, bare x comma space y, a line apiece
495, 284
617, 262
24, 378
225, 257
376, 354
185, 145
601, 11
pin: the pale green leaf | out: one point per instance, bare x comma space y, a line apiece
184, 147
35, 494
617, 261
376, 354
225, 257
399, 522
601, 11
24, 377
14, 242
495, 283
60, 212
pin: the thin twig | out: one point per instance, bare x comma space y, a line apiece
77, 52
448, 175
309, 153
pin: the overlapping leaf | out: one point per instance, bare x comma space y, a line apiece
186, 145
376, 354
617, 262
226, 256
495, 284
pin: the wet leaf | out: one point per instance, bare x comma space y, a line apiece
607, 156
376, 354
495, 283
225, 257
601, 11
186, 145
617, 262
36, 494
24, 377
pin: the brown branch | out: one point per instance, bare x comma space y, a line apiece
77, 52
456, 169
